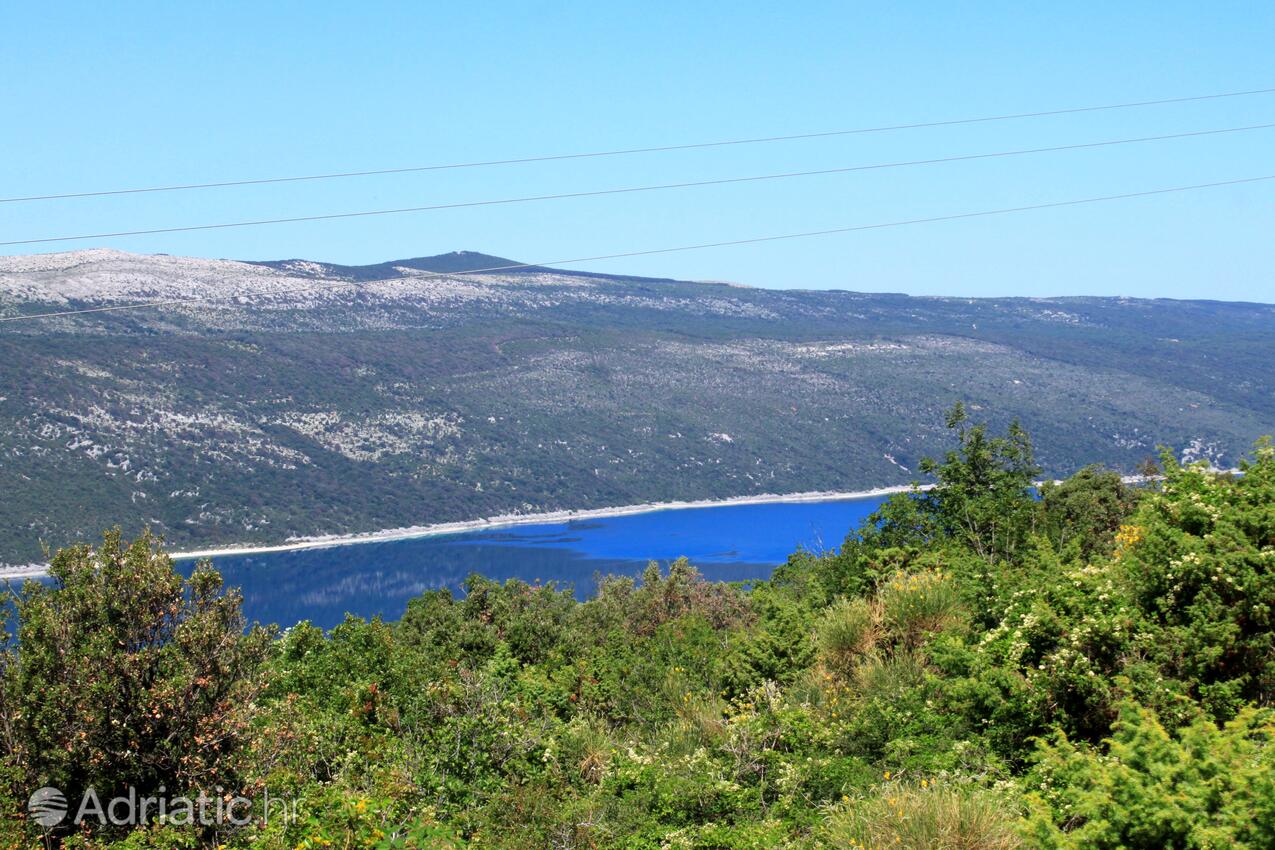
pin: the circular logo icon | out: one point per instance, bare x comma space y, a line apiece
47, 807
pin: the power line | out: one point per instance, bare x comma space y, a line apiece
654, 251
630, 189
630, 151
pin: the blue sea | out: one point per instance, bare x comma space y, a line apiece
726, 543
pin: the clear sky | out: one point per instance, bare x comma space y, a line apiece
102, 96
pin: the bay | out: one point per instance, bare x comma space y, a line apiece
731, 542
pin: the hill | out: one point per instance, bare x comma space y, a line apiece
305, 398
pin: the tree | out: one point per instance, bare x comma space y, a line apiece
983, 497
1087, 509
125, 675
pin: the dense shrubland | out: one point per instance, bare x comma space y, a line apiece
982, 665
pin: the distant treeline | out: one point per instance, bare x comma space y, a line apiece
981, 665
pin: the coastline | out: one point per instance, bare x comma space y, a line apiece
17, 572
511, 520
27, 571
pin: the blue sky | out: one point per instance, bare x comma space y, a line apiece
100, 96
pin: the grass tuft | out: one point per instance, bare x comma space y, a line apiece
924, 816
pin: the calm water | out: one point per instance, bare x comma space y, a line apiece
729, 543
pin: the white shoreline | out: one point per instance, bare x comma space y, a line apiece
9, 572
25, 571
510, 520
500, 521
505, 520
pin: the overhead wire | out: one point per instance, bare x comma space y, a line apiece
326, 285
628, 189
639, 150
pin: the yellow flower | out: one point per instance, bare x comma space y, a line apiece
1127, 536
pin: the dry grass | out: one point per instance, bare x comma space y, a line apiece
923, 817
888, 678
915, 605
848, 631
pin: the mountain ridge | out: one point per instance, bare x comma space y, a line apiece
292, 401
469, 262
453, 262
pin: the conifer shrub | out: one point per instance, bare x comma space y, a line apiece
1149, 788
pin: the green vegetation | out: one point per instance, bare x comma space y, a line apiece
979, 666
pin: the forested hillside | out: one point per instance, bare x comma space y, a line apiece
300, 398
978, 666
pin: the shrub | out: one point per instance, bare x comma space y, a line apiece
1204, 787
848, 631
892, 719
681, 713
984, 494
664, 598
917, 604
1086, 510
924, 816
1199, 559
125, 675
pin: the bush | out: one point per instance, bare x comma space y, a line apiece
1204, 787
847, 632
664, 598
1199, 558
924, 816
1086, 510
916, 605
124, 675
683, 713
